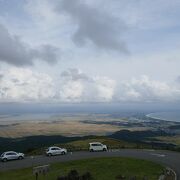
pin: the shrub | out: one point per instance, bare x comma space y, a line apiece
74, 175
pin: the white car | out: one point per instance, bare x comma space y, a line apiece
97, 146
11, 155
52, 151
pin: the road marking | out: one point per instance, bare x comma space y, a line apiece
158, 155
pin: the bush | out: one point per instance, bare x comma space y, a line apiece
74, 175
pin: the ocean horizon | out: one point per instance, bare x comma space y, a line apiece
51, 116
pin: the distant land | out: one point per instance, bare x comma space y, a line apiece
30, 131
79, 124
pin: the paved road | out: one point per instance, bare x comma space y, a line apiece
167, 158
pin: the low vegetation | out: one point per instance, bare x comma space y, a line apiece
98, 168
83, 145
111, 143
170, 139
120, 139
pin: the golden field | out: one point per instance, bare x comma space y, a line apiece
67, 125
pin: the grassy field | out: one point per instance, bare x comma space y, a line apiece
170, 139
67, 124
110, 142
65, 128
100, 168
81, 145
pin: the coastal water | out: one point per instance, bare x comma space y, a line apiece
167, 116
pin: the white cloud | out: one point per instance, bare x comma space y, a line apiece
144, 89
105, 87
80, 87
77, 86
71, 91
19, 84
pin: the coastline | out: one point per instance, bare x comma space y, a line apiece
153, 116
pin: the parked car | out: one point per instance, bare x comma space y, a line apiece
11, 155
97, 146
52, 151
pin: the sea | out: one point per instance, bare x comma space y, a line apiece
167, 115
53, 112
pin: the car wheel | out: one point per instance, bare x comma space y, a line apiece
91, 150
49, 154
63, 153
4, 160
20, 157
104, 149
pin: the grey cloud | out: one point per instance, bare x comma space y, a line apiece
15, 80
47, 53
178, 79
74, 74
16, 52
94, 25
18, 82
1, 76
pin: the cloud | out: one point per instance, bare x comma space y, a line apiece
22, 84
77, 86
42, 13
178, 79
1, 76
16, 52
75, 74
146, 90
105, 88
71, 91
73, 85
94, 25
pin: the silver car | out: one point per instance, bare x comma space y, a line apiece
52, 151
11, 155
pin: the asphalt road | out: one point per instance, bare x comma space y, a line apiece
167, 158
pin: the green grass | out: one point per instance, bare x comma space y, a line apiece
100, 168
81, 145
111, 143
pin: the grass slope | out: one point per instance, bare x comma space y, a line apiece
83, 145
170, 139
100, 168
111, 143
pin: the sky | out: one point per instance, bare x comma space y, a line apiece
97, 51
